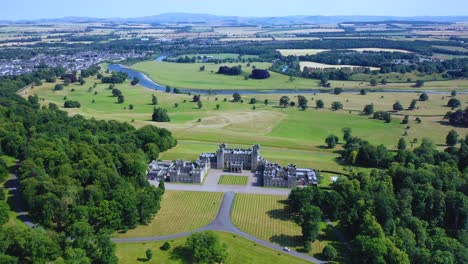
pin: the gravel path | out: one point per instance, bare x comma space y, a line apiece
12, 185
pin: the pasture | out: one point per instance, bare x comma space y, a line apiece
240, 250
274, 222
287, 135
180, 212
233, 180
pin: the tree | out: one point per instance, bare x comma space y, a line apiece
196, 98
338, 91
81, 81
384, 81
423, 97
217, 106
149, 254
397, 106
363, 92
452, 138
120, 99
324, 82
4, 213
202, 68
401, 144
199, 104
131, 107
71, 104
116, 92
337, 105
154, 99
346, 133
265, 102
310, 220
419, 83
253, 101
162, 185
260, 74
405, 120
368, 109
373, 82
454, 103
331, 141
236, 97
453, 93
168, 89
302, 102
319, 103
160, 115
135, 81
204, 247
284, 101
329, 252
58, 87
412, 106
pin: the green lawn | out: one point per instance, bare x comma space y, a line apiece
233, 180
170, 74
180, 212
267, 217
239, 250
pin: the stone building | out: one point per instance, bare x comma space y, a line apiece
178, 171
289, 177
235, 160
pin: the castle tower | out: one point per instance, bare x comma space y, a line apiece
255, 157
220, 156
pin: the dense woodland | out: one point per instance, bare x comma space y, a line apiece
81, 179
412, 208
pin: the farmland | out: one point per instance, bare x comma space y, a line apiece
239, 250
274, 222
180, 212
312, 64
233, 180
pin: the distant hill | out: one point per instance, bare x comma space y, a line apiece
177, 18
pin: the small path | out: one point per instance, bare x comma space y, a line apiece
223, 222
12, 185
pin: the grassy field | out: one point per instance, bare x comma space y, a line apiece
239, 250
287, 135
233, 180
274, 222
180, 212
170, 74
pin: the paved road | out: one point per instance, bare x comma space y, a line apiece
211, 185
12, 185
223, 223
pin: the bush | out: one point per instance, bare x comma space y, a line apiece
260, 74
72, 104
160, 115
454, 102
165, 246
329, 252
58, 87
338, 91
236, 70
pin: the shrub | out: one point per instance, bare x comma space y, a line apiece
329, 252
58, 87
72, 104
160, 115
166, 246
260, 74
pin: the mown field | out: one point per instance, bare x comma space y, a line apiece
170, 74
180, 212
287, 135
274, 222
233, 180
239, 250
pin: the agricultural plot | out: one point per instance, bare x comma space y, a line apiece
318, 65
180, 212
239, 250
381, 50
267, 217
233, 180
300, 52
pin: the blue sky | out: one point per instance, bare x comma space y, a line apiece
32, 9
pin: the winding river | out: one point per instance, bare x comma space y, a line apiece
145, 81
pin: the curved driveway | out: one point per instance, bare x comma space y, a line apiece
223, 222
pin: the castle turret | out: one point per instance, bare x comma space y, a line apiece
255, 157
220, 156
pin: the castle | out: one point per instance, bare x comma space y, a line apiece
232, 160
